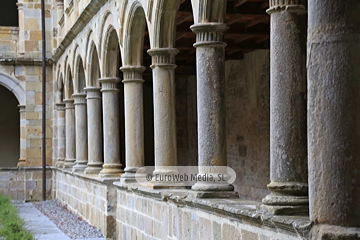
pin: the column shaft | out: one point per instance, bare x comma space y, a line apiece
22, 159
134, 120
163, 68
210, 60
110, 93
334, 118
81, 132
288, 137
61, 137
95, 142
70, 133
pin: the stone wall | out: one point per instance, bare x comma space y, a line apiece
94, 199
24, 184
143, 213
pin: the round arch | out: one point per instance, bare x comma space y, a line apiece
14, 86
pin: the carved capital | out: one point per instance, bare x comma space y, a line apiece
163, 57
298, 6
79, 98
69, 103
133, 73
209, 34
93, 93
109, 84
60, 106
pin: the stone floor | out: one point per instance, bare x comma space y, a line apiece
42, 227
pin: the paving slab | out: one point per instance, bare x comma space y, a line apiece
40, 225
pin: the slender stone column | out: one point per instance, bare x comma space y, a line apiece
61, 138
288, 137
81, 132
22, 160
210, 58
334, 118
70, 133
163, 65
110, 93
95, 142
134, 120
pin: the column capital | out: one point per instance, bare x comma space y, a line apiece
60, 106
209, 34
133, 73
93, 92
298, 6
163, 57
109, 84
69, 103
79, 98
22, 108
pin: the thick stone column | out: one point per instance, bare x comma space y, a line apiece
70, 133
22, 159
334, 118
95, 142
81, 132
163, 67
134, 120
110, 94
288, 137
61, 138
210, 59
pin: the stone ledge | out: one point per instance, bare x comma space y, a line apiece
23, 168
245, 211
93, 178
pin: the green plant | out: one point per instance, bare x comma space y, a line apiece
11, 225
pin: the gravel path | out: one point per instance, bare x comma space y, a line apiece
71, 224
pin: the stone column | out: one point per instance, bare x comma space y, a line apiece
22, 160
81, 132
334, 118
288, 136
21, 43
70, 133
95, 142
111, 131
210, 58
163, 67
61, 138
134, 120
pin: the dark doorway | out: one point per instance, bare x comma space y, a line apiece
9, 129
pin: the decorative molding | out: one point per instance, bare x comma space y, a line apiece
164, 57
133, 73
298, 6
93, 93
109, 84
209, 34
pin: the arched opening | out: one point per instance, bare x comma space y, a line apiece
9, 13
81, 83
9, 129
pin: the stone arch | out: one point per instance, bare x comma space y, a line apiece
14, 86
165, 23
80, 79
111, 54
94, 72
69, 85
134, 36
209, 11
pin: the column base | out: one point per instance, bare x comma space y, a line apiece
79, 166
21, 163
111, 170
287, 198
324, 231
93, 168
208, 186
214, 194
69, 163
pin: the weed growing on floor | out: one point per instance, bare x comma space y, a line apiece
11, 225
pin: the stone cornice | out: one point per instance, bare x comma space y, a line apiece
86, 15
25, 61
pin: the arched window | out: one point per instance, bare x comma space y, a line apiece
9, 13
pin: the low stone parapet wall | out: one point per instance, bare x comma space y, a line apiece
144, 213
24, 183
93, 198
